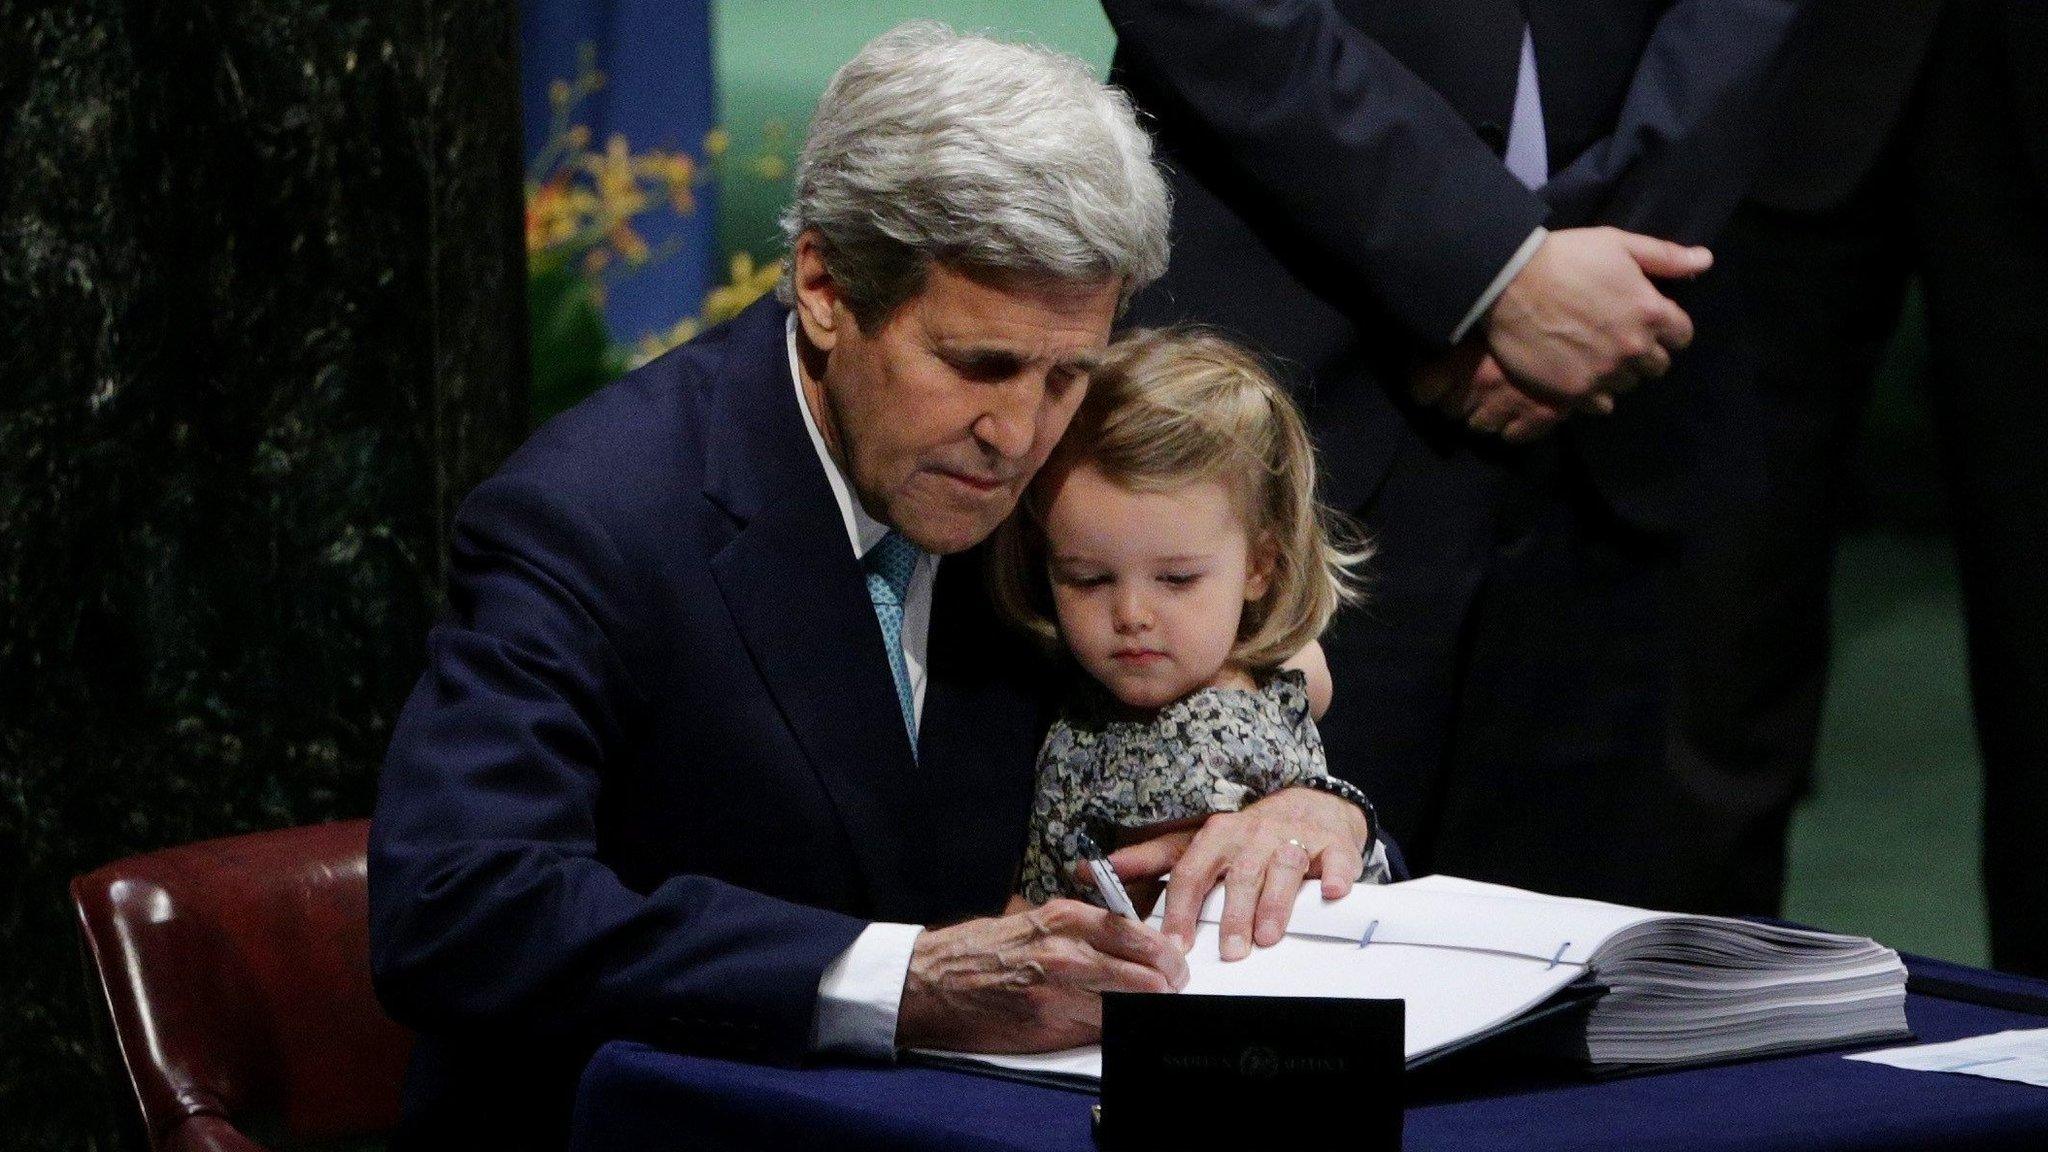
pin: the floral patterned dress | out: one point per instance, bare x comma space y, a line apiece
1215, 750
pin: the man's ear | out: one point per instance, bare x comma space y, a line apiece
819, 306
1259, 563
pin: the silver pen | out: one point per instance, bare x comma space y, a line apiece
1107, 881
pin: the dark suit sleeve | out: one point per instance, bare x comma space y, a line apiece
491, 912
1363, 162
1688, 141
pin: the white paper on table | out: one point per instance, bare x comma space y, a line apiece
1451, 994
2020, 1055
1450, 912
1467, 957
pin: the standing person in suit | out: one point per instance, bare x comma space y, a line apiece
720, 714
1453, 220
1913, 141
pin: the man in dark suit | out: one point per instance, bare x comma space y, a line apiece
711, 730
1913, 140
1406, 203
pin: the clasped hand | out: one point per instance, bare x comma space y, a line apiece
1031, 980
1580, 325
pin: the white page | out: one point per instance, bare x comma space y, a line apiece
1447, 912
1450, 994
1467, 956
2019, 1054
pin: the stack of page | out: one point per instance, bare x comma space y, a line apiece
1473, 959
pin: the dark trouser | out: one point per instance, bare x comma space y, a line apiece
1955, 202
1503, 694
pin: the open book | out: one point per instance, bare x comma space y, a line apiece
1472, 959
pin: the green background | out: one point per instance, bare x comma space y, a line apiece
1888, 843
774, 57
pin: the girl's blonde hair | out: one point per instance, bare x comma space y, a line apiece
1171, 407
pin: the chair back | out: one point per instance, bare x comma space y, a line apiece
236, 975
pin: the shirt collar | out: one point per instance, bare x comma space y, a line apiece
862, 530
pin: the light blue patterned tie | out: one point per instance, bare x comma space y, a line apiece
889, 564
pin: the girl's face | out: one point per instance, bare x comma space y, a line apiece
1149, 587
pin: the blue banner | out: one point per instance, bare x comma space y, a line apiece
657, 88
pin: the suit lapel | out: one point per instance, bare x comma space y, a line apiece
798, 598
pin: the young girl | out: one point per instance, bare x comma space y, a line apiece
1172, 545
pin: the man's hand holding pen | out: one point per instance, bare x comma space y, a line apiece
1030, 981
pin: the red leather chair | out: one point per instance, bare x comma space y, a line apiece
236, 975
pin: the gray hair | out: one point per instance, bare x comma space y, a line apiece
934, 145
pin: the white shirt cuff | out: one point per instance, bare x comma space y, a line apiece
860, 994
1501, 280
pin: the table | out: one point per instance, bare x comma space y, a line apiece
636, 1097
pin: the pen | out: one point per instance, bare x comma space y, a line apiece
1106, 880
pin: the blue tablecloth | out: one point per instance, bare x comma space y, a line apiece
640, 1098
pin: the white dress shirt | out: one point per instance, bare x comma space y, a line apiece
859, 995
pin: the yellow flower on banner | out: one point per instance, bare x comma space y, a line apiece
554, 214
542, 207
589, 215
679, 173
654, 344
617, 186
631, 246
746, 285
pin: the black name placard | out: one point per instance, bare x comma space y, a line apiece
1193, 1072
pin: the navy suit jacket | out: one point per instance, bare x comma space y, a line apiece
1856, 64
1340, 200
655, 779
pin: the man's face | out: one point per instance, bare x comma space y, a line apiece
941, 416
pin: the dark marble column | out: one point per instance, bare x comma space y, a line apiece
261, 326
